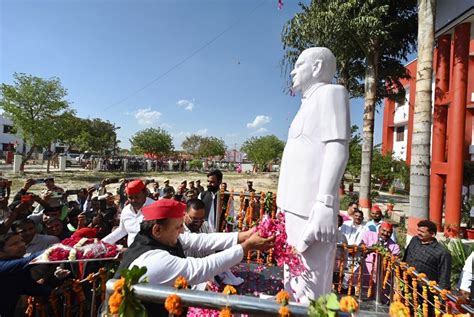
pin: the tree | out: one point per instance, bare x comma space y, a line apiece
191, 144
211, 146
370, 39
263, 150
151, 140
35, 106
355, 152
420, 154
96, 135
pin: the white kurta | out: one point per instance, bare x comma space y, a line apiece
353, 232
164, 268
130, 221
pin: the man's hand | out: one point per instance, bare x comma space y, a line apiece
256, 242
321, 226
61, 273
28, 183
244, 235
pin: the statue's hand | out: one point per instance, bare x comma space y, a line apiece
321, 226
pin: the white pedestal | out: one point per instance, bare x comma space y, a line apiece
62, 163
125, 163
99, 165
148, 165
170, 165
17, 163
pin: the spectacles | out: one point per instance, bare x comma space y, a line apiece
195, 220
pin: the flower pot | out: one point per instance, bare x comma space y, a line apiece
470, 234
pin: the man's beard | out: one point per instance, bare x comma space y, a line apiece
212, 188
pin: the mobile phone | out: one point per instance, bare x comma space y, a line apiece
26, 198
73, 191
39, 180
96, 186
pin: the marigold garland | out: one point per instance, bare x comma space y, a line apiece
53, 301
397, 309
284, 311
421, 276
225, 312
115, 300
414, 283
341, 268
180, 283
351, 273
173, 305
282, 297
229, 290
406, 289
437, 306
387, 274
371, 280
425, 301
348, 304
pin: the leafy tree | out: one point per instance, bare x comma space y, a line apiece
96, 135
263, 150
35, 106
370, 40
191, 144
211, 146
383, 168
151, 140
355, 152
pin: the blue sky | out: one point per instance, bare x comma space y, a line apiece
211, 67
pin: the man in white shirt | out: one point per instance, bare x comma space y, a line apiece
131, 215
466, 278
354, 229
161, 243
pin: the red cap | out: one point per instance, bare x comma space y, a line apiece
376, 208
85, 233
134, 187
164, 209
387, 226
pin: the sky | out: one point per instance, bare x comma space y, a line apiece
208, 67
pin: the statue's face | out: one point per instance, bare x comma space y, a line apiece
302, 73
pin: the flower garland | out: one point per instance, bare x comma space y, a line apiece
387, 272
351, 273
283, 298
437, 306
173, 302
406, 289
397, 309
123, 301
53, 301
283, 252
372, 273
414, 283
348, 304
425, 301
341, 268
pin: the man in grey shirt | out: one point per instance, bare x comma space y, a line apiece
34, 241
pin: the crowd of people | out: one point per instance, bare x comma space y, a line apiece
158, 225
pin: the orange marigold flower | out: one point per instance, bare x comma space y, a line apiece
180, 283
115, 301
448, 315
173, 305
284, 311
229, 290
421, 276
225, 312
118, 285
348, 304
282, 297
397, 309
431, 283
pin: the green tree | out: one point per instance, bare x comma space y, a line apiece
263, 150
383, 168
370, 40
191, 144
355, 153
151, 140
35, 106
211, 146
96, 135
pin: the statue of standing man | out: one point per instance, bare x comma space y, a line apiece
312, 166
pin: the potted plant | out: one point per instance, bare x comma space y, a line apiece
391, 189
390, 205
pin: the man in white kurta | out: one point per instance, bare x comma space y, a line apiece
161, 243
313, 163
131, 215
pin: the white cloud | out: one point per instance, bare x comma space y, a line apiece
201, 132
147, 116
261, 130
259, 121
186, 104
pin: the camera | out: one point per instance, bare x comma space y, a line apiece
39, 180
73, 191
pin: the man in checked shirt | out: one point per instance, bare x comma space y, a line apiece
428, 256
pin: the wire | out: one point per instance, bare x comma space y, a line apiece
215, 38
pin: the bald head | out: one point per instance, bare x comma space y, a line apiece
314, 65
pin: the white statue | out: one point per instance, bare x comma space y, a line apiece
313, 163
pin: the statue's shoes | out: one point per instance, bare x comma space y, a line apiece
229, 278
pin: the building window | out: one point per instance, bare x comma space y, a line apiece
6, 146
400, 133
7, 128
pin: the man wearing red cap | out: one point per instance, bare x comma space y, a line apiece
161, 243
374, 224
131, 215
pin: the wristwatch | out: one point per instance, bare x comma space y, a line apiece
327, 200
